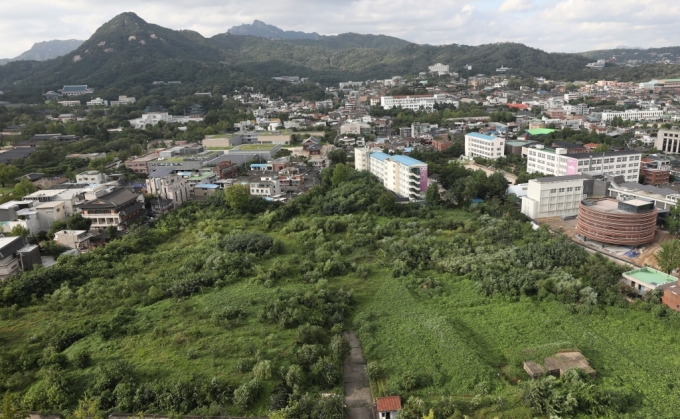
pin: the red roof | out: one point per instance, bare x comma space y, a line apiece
389, 404
518, 105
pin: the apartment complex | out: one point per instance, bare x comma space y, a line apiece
403, 175
439, 68
484, 146
553, 196
559, 162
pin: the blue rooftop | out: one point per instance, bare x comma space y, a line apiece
258, 165
380, 156
207, 186
407, 161
481, 136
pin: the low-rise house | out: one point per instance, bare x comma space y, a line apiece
388, 407
19, 213
92, 177
16, 256
647, 279
203, 190
226, 170
98, 102
123, 100
266, 187
141, 164
75, 239
119, 208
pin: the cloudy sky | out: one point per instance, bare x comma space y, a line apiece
552, 25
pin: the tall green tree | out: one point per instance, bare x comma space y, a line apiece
237, 197
10, 409
432, 195
8, 173
340, 174
668, 257
673, 219
23, 188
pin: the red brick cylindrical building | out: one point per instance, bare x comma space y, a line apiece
628, 223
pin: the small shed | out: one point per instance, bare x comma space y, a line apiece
533, 369
388, 407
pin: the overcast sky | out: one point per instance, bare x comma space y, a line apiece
552, 25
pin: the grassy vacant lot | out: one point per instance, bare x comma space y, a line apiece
447, 304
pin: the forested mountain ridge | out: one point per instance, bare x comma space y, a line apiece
127, 52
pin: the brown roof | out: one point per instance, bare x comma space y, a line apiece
389, 404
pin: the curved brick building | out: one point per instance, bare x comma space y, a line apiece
628, 223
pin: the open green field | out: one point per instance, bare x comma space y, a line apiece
219, 309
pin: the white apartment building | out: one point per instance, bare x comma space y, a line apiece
553, 196
668, 141
403, 175
413, 102
578, 109
98, 102
266, 187
171, 187
484, 146
91, 177
69, 103
633, 115
355, 128
558, 162
123, 100
439, 68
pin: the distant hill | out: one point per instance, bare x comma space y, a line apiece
636, 55
262, 30
46, 50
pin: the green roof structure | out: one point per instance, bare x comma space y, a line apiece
650, 276
540, 131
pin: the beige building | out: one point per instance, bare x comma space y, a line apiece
75, 239
49, 213
553, 196
171, 187
484, 146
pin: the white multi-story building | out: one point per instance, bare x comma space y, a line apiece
98, 102
553, 196
355, 128
578, 109
484, 146
668, 141
91, 177
171, 187
69, 103
439, 68
403, 175
633, 115
413, 102
559, 162
154, 117
123, 100
266, 187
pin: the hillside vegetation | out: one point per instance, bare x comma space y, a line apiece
236, 307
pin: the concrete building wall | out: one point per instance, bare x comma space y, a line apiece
558, 197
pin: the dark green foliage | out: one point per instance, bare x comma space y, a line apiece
248, 243
248, 393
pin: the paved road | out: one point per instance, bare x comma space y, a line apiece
357, 390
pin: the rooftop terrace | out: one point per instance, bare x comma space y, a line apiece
650, 276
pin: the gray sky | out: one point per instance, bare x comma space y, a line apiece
552, 25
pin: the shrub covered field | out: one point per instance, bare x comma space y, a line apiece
237, 308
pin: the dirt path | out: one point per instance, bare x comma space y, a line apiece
357, 390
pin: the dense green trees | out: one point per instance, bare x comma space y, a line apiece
668, 256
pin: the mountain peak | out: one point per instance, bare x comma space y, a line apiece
260, 29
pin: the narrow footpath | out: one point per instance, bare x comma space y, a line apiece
358, 398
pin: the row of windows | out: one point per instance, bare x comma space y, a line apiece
570, 189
